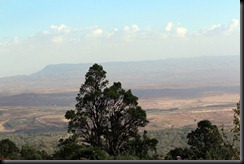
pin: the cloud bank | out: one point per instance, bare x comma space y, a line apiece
65, 44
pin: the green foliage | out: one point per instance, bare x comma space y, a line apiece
232, 147
142, 147
70, 149
236, 131
29, 153
236, 122
171, 138
204, 138
221, 152
168, 139
183, 153
91, 153
105, 117
40, 141
206, 143
8, 149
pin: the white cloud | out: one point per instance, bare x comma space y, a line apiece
233, 25
120, 43
45, 32
218, 29
61, 28
181, 31
132, 28
213, 30
213, 27
95, 33
57, 39
130, 32
169, 26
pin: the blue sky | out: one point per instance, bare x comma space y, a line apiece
25, 17
113, 30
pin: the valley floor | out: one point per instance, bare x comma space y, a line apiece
170, 119
161, 113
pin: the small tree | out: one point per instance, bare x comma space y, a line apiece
206, 137
105, 117
234, 146
185, 154
236, 122
232, 142
29, 153
236, 131
8, 149
68, 149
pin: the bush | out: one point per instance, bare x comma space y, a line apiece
8, 149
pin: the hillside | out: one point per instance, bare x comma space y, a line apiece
169, 73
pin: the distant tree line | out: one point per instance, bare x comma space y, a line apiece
105, 126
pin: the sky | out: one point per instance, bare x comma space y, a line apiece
36, 33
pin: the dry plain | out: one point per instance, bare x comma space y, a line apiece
161, 112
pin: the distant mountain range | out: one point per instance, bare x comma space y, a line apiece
174, 73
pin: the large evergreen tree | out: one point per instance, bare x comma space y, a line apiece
105, 117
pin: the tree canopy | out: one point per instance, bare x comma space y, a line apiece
8, 148
205, 137
105, 117
236, 121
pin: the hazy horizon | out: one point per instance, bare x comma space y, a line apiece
35, 34
107, 62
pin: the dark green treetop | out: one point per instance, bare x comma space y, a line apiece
105, 117
8, 149
204, 138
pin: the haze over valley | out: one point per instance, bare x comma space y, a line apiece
186, 89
